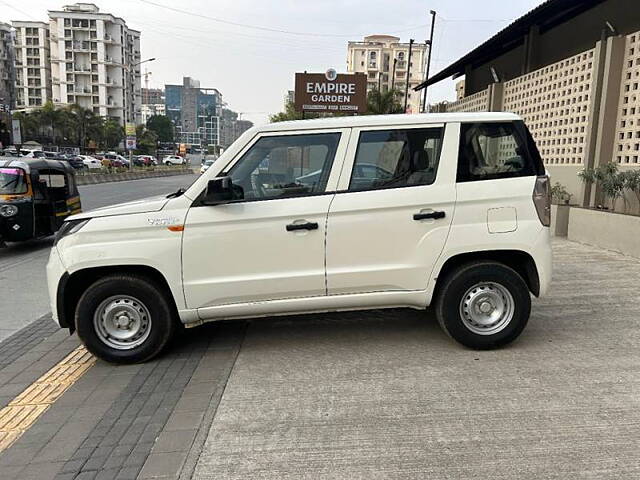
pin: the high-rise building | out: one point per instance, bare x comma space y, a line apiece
232, 127
94, 62
32, 64
195, 112
7, 72
385, 60
152, 103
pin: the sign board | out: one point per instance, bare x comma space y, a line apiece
131, 143
331, 92
183, 149
130, 130
15, 132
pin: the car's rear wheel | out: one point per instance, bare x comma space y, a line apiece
125, 319
483, 305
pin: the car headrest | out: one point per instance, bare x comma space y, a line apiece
420, 160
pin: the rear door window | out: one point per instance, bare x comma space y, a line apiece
490, 151
396, 158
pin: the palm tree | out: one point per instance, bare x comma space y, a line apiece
50, 115
82, 118
383, 102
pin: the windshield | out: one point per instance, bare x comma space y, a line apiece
12, 181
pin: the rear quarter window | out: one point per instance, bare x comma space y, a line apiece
490, 151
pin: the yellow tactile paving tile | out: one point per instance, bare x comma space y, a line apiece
26, 408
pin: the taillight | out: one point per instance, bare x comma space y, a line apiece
542, 199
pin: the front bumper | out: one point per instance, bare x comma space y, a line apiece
56, 273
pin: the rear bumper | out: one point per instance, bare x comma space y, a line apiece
543, 256
56, 280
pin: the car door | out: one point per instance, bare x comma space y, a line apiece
268, 244
389, 221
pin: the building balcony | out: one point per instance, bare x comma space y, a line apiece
80, 91
83, 46
82, 69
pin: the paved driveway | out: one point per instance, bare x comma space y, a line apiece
387, 395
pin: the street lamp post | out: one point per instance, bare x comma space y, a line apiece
426, 73
406, 87
125, 112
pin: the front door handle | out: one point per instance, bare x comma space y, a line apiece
292, 227
426, 215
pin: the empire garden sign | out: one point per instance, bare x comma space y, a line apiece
331, 92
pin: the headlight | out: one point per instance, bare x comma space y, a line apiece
8, 210
69, 227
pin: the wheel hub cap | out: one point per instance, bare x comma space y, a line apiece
122, 322
487, 308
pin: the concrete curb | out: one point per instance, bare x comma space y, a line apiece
93, 178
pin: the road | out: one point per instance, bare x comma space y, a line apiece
22, 266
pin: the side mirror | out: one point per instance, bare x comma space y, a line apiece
219, 190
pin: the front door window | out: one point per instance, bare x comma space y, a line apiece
285, 166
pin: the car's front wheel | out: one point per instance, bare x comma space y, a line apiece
483, 305
125, 319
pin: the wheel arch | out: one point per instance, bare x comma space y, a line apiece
520, 261
73, 285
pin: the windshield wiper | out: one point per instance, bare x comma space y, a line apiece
177, 193
13, 180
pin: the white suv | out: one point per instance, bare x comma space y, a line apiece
364, 212
174, 160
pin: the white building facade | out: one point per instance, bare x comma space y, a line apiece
32, 64
385, 60
95, 62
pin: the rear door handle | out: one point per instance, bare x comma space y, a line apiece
292, 227
426, 215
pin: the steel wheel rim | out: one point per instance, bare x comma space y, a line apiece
122, 322
487, 308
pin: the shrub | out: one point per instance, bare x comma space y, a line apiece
559, 194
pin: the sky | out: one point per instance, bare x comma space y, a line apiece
250, 49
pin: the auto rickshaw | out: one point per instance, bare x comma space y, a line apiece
36, 195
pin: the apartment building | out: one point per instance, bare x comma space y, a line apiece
7, 72
386, 62
32, 64
572, 71
95, 62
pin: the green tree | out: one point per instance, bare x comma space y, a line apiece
50, 116
146, 141
82, 120
112, 134
631, 180
290, 114
379, 103
161, 125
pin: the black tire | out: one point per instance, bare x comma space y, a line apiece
162, 314
458, 282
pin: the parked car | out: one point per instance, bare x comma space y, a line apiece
462, 224
206, 165
116, 160
146, 161
11, 152
174, 160
90, 162
73, 160
28, 153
